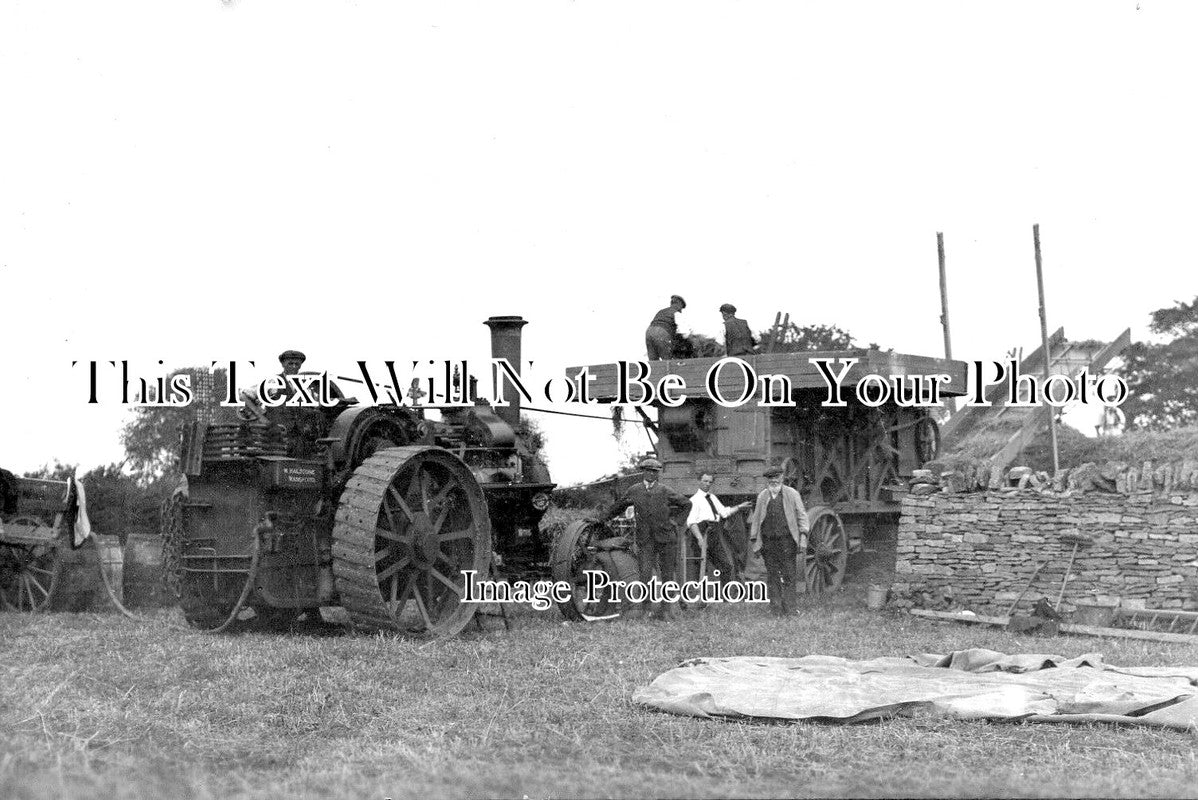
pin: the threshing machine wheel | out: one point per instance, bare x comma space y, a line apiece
588, 545
411, 519
823, 564
927, 440
29, 573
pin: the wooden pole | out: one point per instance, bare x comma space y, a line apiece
948, 344
1052, 418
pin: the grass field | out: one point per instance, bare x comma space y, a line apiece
93, 705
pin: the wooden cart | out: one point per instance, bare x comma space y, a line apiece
38, 524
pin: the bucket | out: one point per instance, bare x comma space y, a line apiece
875, 596
1094, 614
112, 562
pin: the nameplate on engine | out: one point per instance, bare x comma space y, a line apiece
296, 475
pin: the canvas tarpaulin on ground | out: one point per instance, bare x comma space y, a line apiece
966, 684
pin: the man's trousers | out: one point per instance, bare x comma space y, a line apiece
781, 571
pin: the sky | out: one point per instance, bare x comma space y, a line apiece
205, 181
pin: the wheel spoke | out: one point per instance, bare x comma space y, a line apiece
461, 533
442, 494
383, 533
422, 483
394, 568
436, 573
397, 498
35, 582
428, 623
42, 571
440, 520
397, 599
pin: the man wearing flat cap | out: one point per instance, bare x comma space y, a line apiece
292, 360
656, 534
738, 339
659, 336
778, 530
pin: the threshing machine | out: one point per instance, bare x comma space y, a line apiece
851, 462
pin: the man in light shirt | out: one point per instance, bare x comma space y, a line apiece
707, 512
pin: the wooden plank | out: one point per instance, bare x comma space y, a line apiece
1064, 627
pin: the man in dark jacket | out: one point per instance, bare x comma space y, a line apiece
656, 534
659, 336
737, 337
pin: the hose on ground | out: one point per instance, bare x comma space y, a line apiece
251, 578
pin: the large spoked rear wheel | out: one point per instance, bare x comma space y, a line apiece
823, 563
410, 522
29, 573
584, 546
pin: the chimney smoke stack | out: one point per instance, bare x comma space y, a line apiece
505, 343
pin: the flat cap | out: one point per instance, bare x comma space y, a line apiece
289, 354
773, 472
650, 463
727, 308
677, 298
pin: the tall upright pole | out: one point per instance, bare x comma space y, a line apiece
948, 342
1052, 418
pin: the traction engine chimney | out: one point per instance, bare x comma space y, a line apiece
505, 343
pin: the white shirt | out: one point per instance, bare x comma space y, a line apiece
701, 509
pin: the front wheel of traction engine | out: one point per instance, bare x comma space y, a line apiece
410, 522
584, 546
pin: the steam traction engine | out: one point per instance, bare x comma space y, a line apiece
851, 463
377, 509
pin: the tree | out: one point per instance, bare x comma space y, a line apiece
151, 438
806, 338
58, 472
796, 339
1162, 379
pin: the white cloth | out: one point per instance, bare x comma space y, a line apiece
701, 509
967, 684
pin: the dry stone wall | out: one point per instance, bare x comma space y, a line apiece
978, 550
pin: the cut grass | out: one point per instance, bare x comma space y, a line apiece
96, 706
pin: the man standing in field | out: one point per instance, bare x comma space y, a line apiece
656, 535
659, 336
778, 530
705, 524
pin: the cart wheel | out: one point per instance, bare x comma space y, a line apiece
29, 573
927, 440
792, 473
827, 553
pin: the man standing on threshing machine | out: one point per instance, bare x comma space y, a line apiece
659, 337
705, 524
778, 529
738, 339
656, 535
